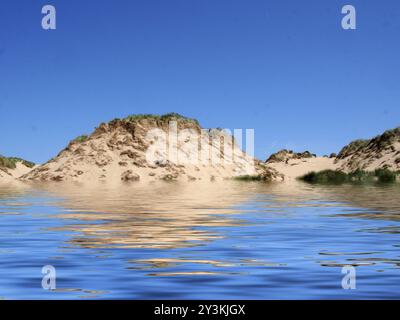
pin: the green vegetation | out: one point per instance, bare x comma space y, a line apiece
325, 176
379, 143
385, 175
352, 148
164, 117
81, 138
387, 138
11, 162
250, 178
358, 176
285, 155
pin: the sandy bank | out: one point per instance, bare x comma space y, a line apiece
298, 167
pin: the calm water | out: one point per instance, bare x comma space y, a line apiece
221, 241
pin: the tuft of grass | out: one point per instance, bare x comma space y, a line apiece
325, 176
379, 143
352, 148
357, 176
11, 162
7, 163
250, 178
140, 116
165, 117
81, 138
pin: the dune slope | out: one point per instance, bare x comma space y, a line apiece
381, 152
12, 168
150, 148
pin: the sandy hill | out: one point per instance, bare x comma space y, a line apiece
150, 148
286, 155
381, 152
12, 168
295, 164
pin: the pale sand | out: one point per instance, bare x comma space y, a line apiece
6, 177
371, 160
115, 153
20, 170
298, 167
11, 175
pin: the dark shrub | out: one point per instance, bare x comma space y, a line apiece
357, 176
385, 175
326, 176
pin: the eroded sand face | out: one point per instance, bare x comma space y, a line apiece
145, 150
373, 159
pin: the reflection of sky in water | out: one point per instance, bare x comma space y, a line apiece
232, 240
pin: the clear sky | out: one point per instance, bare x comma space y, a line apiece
285, 68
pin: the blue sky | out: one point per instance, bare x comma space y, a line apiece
285, 68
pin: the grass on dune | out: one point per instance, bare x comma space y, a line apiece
358, 176
81, 138
164, 117
11, 162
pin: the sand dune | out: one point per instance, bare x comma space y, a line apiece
11, 175
119, 151
151, 148
381, 152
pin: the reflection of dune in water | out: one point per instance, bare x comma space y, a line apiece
165, 215
158, 263
371, 201
366, 201
173, 215
383, 200
10, 195
13, 191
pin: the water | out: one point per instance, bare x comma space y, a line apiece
231, 240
